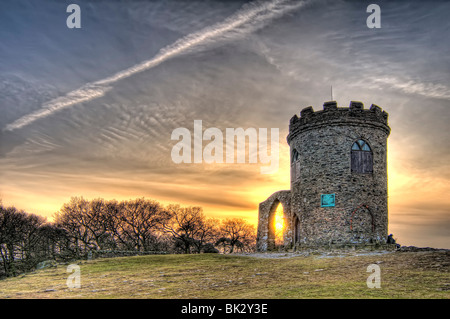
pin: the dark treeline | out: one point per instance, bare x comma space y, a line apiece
82, 228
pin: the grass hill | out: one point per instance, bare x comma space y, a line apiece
415, 274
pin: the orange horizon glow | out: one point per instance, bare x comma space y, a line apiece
410, 192
279, 224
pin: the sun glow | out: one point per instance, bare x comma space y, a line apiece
279, 224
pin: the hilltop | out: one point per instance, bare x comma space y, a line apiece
404, 274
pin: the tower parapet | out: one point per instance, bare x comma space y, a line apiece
332, 115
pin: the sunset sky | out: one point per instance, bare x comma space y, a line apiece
89, 112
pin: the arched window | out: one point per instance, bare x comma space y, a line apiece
295, 165
295, 156
361, 157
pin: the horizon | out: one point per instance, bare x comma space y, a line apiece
89, 112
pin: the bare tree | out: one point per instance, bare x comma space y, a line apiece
10, 223
19, 239
113, 222
208, 232
236, 233
101, 225
138, 225
73, 217
28, 245
139, 220
53, 242
188, 227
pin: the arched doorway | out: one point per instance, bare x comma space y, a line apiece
268, 218
277, 225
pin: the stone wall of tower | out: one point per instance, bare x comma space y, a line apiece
320, 150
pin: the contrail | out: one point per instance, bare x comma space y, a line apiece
250, 18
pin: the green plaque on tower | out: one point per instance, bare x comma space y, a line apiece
327, 200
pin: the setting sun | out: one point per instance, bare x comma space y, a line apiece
279, 224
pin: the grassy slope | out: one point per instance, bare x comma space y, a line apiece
403, 275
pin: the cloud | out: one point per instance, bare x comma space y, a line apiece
409, 86
19, 94
251, 17
83, 94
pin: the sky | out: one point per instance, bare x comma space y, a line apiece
90, 111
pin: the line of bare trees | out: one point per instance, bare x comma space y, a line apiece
82, 227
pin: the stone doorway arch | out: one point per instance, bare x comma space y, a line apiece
265, 239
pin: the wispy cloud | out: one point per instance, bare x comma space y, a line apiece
431, 90
86, 93
250, 18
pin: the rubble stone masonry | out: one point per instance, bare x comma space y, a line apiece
351, 177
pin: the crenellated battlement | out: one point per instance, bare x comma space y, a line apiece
331, 114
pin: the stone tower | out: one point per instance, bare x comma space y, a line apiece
338, 192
